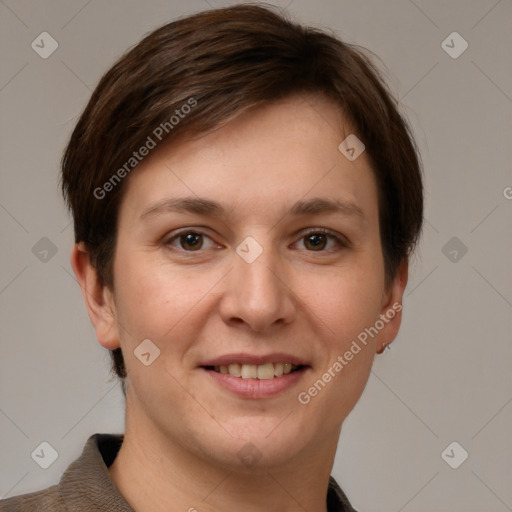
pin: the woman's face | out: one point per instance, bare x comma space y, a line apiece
253, 268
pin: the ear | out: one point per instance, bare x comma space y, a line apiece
98, 298
391, 312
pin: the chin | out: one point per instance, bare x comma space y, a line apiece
259, 443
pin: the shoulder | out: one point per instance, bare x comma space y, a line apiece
48, 499
337, 500
84, 486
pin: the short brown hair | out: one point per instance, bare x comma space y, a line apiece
222, 62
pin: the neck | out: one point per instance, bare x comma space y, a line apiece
155, 473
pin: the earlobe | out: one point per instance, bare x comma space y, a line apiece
98, 298
391, 312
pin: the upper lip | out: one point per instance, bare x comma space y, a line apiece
245, 358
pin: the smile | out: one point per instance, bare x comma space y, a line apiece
256, 376
265, 371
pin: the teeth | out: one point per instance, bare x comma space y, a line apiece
252, 371
235, 370
249, 371
266, 371
278, 369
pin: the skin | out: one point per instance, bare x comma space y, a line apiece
183, 431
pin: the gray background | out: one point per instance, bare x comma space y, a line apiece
448, 375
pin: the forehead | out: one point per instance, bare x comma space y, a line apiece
265, 158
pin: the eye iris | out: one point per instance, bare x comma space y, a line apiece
316, 240
194, 241
191, 239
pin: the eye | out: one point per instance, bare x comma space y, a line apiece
317, 240
314, 240
189, 241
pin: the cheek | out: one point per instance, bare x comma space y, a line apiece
153, 298
348, 306
143, 297
346, 301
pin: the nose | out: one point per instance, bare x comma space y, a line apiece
258, 294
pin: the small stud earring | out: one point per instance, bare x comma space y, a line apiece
385, 347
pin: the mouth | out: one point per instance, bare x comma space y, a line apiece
266, 371
250, 376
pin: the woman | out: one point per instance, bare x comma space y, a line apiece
245, 197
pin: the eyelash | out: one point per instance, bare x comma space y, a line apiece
340, 241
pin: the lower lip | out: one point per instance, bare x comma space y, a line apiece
256, 388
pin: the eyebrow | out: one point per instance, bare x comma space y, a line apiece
203, 206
